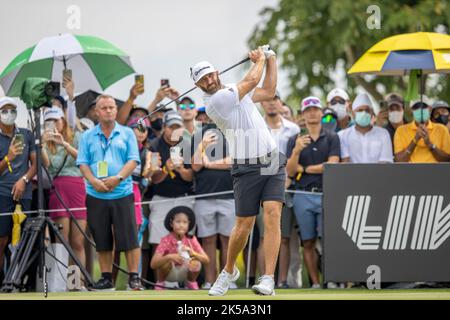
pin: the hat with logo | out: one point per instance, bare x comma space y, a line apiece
53, 113
337, 92
309, 102
201, 69
171, 118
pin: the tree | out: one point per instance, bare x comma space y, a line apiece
318, 39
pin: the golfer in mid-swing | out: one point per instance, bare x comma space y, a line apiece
258, 169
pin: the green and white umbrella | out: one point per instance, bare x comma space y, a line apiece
95, 63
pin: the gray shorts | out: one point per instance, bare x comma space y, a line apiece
256, 183
287, 219
214, 216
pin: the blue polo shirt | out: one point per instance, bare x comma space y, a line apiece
120, 148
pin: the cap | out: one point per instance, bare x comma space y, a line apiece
440, 104
53, 113
88, 123
337, 92
361, 99
201, 69
188, 98
135, 108
394, 98
133, 122
171, 118
309, 102
329, 111
61, 100
201, 109
7, 100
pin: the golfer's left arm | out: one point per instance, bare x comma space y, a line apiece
267, 92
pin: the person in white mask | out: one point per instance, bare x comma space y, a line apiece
339, 101
17, 167
396, 111
364, 142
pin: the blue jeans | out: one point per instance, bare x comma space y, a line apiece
308, 212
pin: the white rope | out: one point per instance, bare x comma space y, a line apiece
206, 195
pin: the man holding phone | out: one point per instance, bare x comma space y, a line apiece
17, 167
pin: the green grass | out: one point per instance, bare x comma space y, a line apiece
243, 294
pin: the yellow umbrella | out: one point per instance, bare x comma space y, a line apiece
397, 55
18, 217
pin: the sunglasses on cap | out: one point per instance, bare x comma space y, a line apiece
311, 101
328, 119
185, 106
11, 111
336, 101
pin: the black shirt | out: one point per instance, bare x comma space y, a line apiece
318, 152
169, 187
212, 180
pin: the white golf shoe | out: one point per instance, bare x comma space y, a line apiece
223, 282
265, 286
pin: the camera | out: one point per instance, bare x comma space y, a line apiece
39, 92
165, 82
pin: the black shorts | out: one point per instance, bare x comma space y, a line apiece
256, 183
104, 215
7, 204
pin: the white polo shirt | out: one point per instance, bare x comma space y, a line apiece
241, 122
373, 147
281, 136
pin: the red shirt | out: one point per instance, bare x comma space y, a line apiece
168, 244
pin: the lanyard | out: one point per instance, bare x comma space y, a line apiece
105, 148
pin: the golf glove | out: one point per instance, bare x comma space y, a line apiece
267, 51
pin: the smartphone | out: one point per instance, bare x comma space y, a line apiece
49, 126
139, 78
165, 82
67, 73
175, 155
154, 159
383, 105
304, 131
19, 140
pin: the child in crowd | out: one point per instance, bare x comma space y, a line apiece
178, 257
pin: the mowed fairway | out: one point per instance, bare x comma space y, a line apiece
286, 294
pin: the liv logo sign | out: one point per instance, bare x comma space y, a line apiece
426, 218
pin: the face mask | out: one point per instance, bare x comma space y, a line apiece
443, 119
8, 118
340, 109
363, 119
421, 115
395, 116
156, 124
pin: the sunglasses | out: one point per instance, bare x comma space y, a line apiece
311, 101
9, 111
328, 119
184, 106
336, 101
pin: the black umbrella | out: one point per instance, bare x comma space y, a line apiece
84, 100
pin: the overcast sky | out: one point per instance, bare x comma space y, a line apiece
163, 38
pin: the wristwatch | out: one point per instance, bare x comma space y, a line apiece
24, 178
119, 177
433, 147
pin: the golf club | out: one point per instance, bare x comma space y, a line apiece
140, 124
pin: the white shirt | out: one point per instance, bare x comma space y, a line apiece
373, 147
240, 121
282, 135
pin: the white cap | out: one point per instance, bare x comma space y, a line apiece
309, 102
53, 113
7, 100
201, 69
337, 92
362, 100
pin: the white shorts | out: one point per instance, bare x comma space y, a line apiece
158, 213
178, 273
214, 216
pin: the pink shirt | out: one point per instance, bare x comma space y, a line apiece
168, 244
